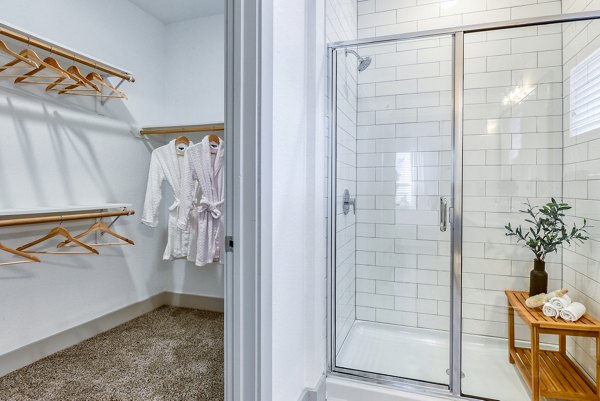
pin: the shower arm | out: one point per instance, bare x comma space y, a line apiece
353, 52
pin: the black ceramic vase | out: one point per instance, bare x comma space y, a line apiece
538, 278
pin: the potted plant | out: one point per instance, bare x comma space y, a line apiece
546, 233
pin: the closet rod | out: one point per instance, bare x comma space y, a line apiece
69, 217
30, 40
182, 129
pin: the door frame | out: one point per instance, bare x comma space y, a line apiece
243, 171
458, 33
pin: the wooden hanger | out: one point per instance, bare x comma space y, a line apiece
71, 81
182, 139
26, 56
50, 64
18, 58
93, 77
212, 140
99, 226
56, 231
75, 71
30, 258
82, 87
59, 81
112, 91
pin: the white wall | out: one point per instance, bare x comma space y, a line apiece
295, 77
195, 60
53, 153
61, 151
195, 93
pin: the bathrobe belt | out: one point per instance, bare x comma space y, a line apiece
211, 207
175, 205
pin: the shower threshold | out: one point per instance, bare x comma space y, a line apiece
423, 354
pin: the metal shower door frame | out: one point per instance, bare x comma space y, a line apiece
456, 220
453, 391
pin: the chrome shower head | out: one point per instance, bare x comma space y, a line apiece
363, 62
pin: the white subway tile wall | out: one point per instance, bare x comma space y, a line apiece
346, 228
581, 264
388, 17
403, 155
532, 131
512, 153
512, 142
341, 18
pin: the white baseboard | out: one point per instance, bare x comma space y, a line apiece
315, 394
35, 351
194, 301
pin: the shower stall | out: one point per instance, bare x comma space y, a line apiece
437, 139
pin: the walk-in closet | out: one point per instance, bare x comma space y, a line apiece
112, 200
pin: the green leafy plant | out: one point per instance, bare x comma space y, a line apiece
548, 229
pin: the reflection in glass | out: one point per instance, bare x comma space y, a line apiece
585, 95
404, 181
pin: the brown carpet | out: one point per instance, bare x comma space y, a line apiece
167, 354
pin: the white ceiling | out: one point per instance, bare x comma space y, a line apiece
170, 11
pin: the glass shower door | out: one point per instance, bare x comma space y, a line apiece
531, 119
393, 118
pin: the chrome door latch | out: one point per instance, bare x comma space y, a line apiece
229, 243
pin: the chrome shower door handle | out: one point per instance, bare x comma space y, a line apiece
443, 213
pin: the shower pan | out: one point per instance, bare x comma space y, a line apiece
437, 138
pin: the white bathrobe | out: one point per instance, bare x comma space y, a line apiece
201, 166
165, 164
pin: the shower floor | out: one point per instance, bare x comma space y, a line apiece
423, 354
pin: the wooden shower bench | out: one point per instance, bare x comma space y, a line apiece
548, 373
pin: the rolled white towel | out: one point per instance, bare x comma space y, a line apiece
561, 302
550, 310
573, 312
